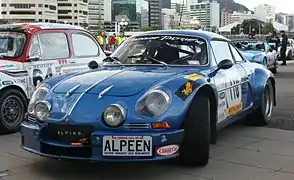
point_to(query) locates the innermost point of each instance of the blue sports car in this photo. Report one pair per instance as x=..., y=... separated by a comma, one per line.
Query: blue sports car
x=259, y=52
x=160, y=95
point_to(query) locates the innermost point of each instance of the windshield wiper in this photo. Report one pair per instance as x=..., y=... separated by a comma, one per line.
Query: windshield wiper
x=113, y=60
x=148, y=57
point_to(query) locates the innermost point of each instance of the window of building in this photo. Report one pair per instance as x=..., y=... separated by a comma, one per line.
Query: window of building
x=3, y=5
x=3, y=12
x=84, y=46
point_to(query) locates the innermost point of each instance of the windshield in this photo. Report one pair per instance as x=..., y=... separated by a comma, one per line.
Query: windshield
x=166, y=50
x=250, y=46
x=11, y=44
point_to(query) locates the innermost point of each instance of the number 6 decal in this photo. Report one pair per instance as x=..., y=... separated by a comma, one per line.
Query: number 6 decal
x=37, y=77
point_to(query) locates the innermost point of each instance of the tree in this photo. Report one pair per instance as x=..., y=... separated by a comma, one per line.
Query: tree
x=251, y=26
x=267, y=28
x=236, y=29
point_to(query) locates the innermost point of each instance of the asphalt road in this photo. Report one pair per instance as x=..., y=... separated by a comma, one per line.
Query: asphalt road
x=283, y=116
x=242, y=153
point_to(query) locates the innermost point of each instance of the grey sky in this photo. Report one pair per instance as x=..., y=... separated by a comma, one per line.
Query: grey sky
x=286, y=6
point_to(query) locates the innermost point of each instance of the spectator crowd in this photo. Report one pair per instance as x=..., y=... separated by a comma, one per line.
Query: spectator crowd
x=110, y=43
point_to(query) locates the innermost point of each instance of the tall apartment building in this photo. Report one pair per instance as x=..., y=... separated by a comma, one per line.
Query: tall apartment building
x=28, y=11
x=155, y=12
x=225, y=17
x=73, y=11
x=241, y=16
x=96, y=13
x=208, y=13
x=265, y=12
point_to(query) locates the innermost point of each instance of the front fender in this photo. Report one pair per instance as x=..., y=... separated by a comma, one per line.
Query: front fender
x=258, y=82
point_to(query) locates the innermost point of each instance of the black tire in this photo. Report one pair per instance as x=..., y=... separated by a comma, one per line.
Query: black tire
x=262, y=115
x=194, y=150
x=15, y=103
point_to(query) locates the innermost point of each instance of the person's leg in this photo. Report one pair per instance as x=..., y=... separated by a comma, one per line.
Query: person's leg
x=283, y=57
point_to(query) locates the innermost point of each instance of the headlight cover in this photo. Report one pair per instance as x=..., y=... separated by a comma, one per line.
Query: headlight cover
x=257, y=57
x=37, y=96
x=154, y=103
x=42, y=110
x=114, y=115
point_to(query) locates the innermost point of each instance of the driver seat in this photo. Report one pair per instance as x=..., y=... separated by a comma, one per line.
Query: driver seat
x=167, y=54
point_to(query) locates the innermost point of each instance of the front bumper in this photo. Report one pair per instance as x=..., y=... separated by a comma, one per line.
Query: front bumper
x=32, y=141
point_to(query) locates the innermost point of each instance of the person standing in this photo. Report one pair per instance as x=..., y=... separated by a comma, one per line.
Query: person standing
x=112, y=42
x=103, y=41
x=283, y=47
x=121, y=38
x=273, y=40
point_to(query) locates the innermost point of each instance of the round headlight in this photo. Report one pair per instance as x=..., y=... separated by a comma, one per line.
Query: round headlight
x=38, y=95
x=157, y=102
x=114, y=115
x=42, y=110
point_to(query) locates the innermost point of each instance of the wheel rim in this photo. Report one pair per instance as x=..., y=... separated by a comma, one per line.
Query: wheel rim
x=268, y=102
x=11, y=111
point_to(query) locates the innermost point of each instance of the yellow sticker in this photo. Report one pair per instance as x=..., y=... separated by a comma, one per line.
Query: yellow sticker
x=194, y=77
x=235, y=109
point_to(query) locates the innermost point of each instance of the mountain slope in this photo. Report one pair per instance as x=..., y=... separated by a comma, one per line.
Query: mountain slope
x=232, y=5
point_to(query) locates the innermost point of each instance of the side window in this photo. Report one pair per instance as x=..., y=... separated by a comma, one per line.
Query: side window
x=221, y=51
x=84, y=46
x=35, y=49
x=236, y=54
x=54, y=45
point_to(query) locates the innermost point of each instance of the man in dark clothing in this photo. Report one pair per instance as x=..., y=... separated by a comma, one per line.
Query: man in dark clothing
x=283, y=48
x=273, y=40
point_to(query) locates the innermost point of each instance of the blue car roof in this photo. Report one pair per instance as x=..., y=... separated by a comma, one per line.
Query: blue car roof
x=199, y=33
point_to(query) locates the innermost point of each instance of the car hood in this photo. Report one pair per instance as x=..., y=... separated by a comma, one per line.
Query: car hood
x=117, y=81
x=250, y=54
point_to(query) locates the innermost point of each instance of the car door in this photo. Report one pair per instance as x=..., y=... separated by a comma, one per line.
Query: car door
x=85, y=49
x=46, y=52
x=230, y=83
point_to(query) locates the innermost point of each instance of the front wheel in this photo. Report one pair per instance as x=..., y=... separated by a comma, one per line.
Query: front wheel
x=194, y=150
x=262, y=115
x=12, y=110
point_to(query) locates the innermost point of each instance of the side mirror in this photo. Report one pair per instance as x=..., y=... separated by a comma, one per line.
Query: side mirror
x=34, y=58
x=225, y=64
x=93, y=65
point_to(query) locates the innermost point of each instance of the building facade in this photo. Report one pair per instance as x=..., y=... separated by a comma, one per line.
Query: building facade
x=29, y=11
x=166, y=4
x=265, y=12
x=74, y=12
x=96, y=14
x=225, y=17
x=208, y=13
x=155, y=12
x=241, y=16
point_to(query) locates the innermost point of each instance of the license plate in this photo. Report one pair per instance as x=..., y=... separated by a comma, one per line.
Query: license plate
x=127, y=146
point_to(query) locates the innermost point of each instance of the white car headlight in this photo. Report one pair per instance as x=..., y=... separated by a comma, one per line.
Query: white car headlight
x=42, y=110
x=37, y=96
x=154, y=103
x=114, y=115
x=257, y=57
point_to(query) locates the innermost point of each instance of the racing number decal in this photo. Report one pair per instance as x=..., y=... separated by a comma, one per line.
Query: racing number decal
x=234, y=97
x=38, y=76
x=234, y=91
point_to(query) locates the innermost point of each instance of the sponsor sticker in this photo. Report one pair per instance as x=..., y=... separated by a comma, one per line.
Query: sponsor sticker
x=167, y=150
x=235, y=109
x=186, y=90
x=193, y=77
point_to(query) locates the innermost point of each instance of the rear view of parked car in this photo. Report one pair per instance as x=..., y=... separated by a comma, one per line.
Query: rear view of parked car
x=31, y=53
